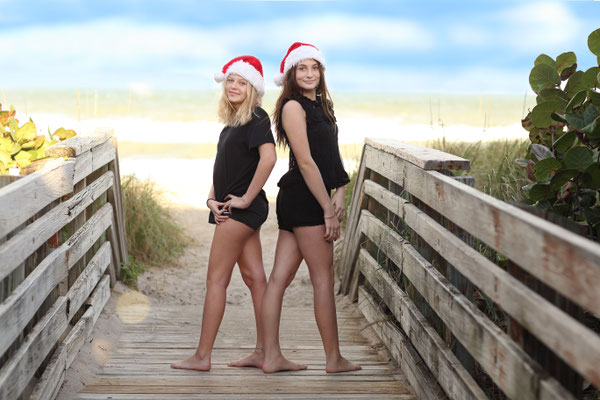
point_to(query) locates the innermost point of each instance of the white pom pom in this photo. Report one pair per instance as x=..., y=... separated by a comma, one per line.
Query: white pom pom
x=278, y=79
x=219, y=77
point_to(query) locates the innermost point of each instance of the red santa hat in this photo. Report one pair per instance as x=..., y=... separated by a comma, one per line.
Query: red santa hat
x=247, y=67
x=296, y=53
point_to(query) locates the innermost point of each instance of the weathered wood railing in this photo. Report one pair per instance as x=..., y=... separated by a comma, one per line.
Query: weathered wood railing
x=61, y=231
x=409, y=258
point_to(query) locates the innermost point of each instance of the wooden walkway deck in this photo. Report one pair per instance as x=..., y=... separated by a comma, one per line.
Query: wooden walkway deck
x=139, y=366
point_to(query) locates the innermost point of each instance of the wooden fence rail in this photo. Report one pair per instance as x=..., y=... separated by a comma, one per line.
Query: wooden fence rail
x=62, y=241
x=412, y=257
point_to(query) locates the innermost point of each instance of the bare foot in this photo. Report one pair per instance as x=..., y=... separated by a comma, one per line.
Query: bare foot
x=281, y=364
x=255, y=360
x=341, y=365
x=193, y=362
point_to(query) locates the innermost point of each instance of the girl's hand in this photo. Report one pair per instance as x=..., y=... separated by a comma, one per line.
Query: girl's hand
x=217, y=208
x=338, y=203
x=236, y=202
x=332, y=227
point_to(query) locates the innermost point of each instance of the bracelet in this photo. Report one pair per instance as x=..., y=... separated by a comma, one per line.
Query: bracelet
x=333, y=216
x=210, y=198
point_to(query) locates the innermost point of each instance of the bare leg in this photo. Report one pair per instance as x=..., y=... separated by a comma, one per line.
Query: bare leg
x=287, y=261
x=318, y=254
x=228, y=242
x=253, y=274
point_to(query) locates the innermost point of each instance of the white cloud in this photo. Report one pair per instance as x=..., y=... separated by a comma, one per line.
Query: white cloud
x=539, y=26
x=121, y=49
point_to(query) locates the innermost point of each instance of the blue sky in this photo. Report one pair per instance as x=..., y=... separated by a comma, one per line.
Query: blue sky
x=370, y=45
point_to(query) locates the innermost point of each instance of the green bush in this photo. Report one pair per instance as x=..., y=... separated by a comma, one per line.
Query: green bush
x=21, y=145
x=564, y=130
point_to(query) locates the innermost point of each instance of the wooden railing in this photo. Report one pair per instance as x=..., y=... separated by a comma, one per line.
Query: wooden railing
x=62, y=242
x=413, y=258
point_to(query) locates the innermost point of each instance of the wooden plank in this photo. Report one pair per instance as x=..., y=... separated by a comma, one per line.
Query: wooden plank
x=423, y=157
x=268, y=384
x=26, y=241
x=84, y=327
x=91, y=160
x=24, y=302
x=19, y=308
x=79, y=144
x=103, y=154
x=546, y=321
x=17, y=372
x=444, y=366
x=420, y=378
x=83, y=166
x=233, y=396
x=507, y=364
x=88, y=279
x=567, y=262
x=85, y=237
x=22, y=199
x=53, y=376
x=347, y=260
x=114, y=197
x=116, y=256
x=99, y=298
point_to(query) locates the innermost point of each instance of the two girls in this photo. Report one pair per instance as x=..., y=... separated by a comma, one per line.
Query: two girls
x=307, y=215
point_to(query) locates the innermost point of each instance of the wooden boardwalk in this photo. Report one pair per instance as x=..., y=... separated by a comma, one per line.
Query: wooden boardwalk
x=139, y=367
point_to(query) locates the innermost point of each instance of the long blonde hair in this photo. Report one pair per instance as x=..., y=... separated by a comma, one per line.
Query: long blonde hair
x=228, y=115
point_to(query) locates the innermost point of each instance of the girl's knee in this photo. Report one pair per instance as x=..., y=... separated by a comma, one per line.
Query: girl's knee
x=254, y=279
x=218, y=283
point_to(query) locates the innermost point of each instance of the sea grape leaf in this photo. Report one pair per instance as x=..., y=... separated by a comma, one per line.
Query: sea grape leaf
x=541, y=191
x=594, y=43
x=543, y=76
x=545, y=168
x=565, y=60
x=578, y=158
x=562, y=177
x=541, y=115
x=565, y=141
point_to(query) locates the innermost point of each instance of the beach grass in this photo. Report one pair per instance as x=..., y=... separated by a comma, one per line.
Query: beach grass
x=153, y=236
x=492, y=165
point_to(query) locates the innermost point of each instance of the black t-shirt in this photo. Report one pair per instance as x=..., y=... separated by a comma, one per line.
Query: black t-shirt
x=322, y=137
x=238, y=156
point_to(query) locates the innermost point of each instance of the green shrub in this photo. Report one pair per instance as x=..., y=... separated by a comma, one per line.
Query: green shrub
x=564, y=128
x=21, y=145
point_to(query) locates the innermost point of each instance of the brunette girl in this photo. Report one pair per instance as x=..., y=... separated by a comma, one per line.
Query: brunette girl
x=309, y=219
x=238, y=205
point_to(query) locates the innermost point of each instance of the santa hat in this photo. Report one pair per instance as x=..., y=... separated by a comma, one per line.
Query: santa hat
x=296, y=53
x=247, y=67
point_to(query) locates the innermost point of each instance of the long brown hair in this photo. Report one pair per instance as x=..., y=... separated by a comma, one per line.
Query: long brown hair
x=291, y=89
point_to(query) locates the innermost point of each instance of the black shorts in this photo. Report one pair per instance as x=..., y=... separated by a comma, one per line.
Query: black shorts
x=253, y=216
x=296, y=206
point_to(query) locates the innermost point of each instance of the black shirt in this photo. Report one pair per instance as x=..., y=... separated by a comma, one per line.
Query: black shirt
x=238, y=156
x=323, y=142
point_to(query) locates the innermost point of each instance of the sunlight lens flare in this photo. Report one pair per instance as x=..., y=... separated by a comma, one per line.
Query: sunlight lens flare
x=133, y=307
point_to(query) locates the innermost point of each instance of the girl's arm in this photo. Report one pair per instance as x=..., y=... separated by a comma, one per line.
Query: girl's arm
x=268, y=158
x=293, y=119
